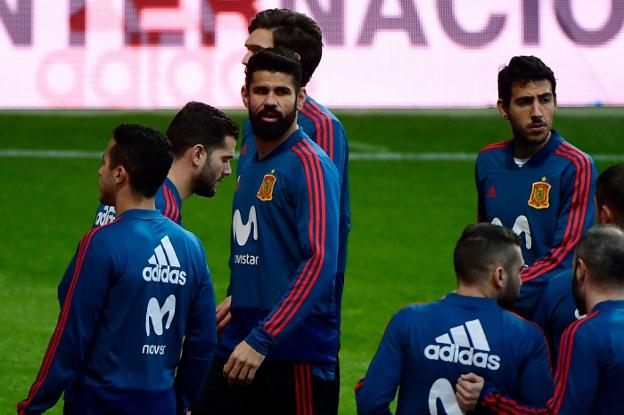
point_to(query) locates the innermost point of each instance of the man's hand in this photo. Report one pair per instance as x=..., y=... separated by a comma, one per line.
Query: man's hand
x=223, y=313
x=468, y=390
x=242, y=365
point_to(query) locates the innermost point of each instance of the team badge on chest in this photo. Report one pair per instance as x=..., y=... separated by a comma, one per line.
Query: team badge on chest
x=539, y=194
x=265, y=193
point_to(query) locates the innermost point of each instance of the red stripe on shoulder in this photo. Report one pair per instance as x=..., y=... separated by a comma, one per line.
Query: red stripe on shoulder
x=576, y=215
x=573, y=150
x=495, y=146
x=173, y=210
x=317, y=124
x=167, y=196
x=322, y=121
x=565, y=358
x=330, y=131
x=62, y=321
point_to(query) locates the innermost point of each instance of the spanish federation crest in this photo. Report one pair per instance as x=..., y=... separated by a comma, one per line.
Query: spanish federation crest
x=265, y=193
x=539, y=194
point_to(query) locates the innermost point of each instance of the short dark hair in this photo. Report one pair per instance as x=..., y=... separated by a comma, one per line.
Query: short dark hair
x=199, y=123
x=295, y=31
x=602, y=251
x=523, y=69
x=610, y=191
x=480, y=246
x=145, y=154
x=274, y=60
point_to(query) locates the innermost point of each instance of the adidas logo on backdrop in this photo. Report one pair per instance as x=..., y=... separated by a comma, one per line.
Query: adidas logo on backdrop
x=164, y=265
x=467, y=347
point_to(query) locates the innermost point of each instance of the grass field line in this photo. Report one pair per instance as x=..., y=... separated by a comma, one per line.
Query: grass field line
x=354, y=156
x=359, y=146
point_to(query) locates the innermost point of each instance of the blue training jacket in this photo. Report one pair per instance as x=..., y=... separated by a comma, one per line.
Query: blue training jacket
x=167, y=200
x=590, y=369
x=137, y=327
x=284, y=251
x=326, y=130
x=557, y=310
x=549, y=202
x=426, y=347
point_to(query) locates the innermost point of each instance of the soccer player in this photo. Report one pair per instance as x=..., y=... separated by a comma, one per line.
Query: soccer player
x=535, y=183
x=427, y=347
x=557, y=309
x=295, y=31
x=203, y=140
x=278, y=353
x=137, y=328
x=590, y=373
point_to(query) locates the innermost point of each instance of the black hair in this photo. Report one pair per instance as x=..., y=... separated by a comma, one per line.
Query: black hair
x=295, y=31
x=274, y=60
x=480, y=246
x=199, y=123
x=523, y=69
x=610, y=191
x=145, y=154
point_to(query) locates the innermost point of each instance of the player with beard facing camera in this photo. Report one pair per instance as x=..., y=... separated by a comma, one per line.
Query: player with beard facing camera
x=278, y=353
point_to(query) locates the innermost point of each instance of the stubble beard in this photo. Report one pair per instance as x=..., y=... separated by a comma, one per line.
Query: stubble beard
x=205, y=185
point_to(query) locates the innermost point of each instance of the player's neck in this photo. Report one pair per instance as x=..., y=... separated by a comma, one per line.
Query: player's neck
x=180, y=176
x=471, y=290
x=266, y=147
x=523, y=149
x=594, y=298
x=126, y=199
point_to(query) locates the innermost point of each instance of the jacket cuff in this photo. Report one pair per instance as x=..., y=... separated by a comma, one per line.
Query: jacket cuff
x=260, y=340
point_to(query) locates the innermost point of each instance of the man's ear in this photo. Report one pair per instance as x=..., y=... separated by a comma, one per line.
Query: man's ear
x=497, y=277
x=504, y=111
x=605, y=214
x=580, y=271
x=197, y=154
x=120, y=175
x=301, y=97
x=245, y=96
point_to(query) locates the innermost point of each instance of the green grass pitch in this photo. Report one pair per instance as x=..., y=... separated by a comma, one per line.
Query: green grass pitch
x=407, y=216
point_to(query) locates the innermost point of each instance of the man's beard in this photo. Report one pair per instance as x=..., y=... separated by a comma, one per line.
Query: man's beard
x=509, y=296
x=205, y=185
x=107, y=197
x=204, y=190
x=271, y=131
